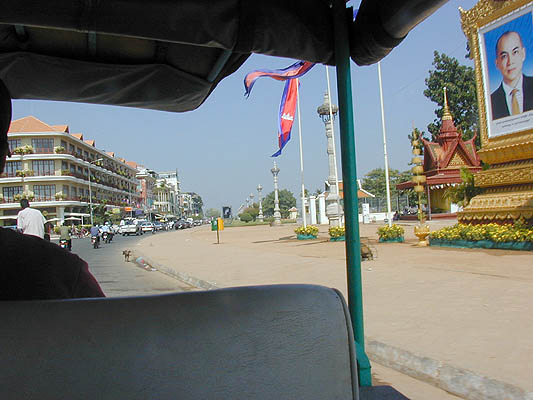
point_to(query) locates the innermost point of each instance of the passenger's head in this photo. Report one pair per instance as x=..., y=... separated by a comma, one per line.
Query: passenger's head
x=95, y=224
x=24, y=203
x=5, y=121
x=510, y=56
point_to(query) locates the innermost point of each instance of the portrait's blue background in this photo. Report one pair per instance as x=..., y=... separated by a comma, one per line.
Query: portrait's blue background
x=524, y=26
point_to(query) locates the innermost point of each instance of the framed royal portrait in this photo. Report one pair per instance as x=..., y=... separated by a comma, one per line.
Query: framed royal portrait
x=500, y=35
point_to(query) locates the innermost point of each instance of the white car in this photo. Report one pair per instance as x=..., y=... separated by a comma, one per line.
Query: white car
x=147, y=227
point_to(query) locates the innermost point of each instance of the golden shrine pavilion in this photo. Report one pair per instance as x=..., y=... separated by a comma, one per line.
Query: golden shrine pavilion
x=443, y=160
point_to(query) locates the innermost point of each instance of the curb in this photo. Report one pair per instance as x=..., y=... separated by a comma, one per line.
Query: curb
x=458, y=381
x=183, y=277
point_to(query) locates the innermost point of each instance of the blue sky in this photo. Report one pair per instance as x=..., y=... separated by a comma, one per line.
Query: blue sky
x=222, y=150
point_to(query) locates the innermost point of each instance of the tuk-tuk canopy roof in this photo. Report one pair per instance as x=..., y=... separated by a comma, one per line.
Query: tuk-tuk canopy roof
x=169, y=55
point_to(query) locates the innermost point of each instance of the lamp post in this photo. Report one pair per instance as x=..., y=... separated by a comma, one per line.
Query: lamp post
x=327, y=112
x=277, y=214
x=251, y=199
x=260, y=215
x=90, y=192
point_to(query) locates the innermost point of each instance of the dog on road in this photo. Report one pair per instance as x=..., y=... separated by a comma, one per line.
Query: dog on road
x=127, y=255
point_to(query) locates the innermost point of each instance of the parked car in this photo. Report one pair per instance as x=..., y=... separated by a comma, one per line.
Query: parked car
x=130, y=227
x=182, y=224
x=147, y=227
x=159, y=226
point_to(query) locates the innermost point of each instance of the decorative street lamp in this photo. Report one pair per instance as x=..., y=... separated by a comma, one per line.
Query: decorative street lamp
x=260, y=217
x=251, y=199
x=90, y=192
x=327, y=114
x=277, y=214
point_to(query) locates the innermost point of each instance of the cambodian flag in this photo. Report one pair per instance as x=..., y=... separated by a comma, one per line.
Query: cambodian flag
x=296, y=70
x=287, y=110
x=289, y=98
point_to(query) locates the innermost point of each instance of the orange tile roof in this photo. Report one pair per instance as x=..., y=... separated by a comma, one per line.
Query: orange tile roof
x=29, y=124
x=60, y=128
x=110, y=153
x=132, y=164
x=78, y=135
x=90, y=142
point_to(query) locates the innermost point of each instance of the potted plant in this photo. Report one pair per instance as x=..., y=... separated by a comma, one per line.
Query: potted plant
x=336, y=234
x=60, y=196
x=392, y=233
x=19, y=173
x=65, y=172
x=309, y=232
x=59, y=149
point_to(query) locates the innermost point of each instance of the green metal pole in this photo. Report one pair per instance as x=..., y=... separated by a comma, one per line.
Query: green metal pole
x=349, y=178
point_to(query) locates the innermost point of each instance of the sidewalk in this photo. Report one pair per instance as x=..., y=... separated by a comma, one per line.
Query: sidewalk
x=456, y=317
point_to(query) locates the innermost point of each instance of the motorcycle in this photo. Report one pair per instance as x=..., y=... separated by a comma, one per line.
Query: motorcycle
x=95, y=241
x=63, y=243
x=106, y=237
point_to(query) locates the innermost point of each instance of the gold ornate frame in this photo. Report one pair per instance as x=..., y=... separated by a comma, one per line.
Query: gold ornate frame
x=511, y=146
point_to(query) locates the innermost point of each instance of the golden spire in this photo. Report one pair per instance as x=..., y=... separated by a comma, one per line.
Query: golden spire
x=446, y=115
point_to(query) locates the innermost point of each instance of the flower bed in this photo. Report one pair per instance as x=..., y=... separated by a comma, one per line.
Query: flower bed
x=518, y=236
x=300, y=236
x=482, y=244
x=337, y=234
x=309, y=232
x=392, y=233
x=399, y=239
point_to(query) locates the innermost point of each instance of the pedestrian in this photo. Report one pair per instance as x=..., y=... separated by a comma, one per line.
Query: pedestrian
x=30, y=221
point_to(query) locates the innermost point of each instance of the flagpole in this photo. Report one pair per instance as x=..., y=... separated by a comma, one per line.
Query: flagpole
x=334, y=148
x=301, y=152
x=389, y=211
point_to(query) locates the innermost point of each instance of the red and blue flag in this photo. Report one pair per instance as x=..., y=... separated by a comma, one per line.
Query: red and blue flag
x=295, y=70
x=287, y=111
x=287, y=107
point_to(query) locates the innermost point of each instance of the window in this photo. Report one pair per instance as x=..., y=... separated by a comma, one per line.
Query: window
x=72, y=168
x=64, y=165
x=71, y=148
x=43, y=145
x=12, y=167
x=64, y=144
x=86, y=154
x=44, y=192
x=43, y=167
x=13, y=144
x=66, y=191
x=10, y=191
x=74, y=192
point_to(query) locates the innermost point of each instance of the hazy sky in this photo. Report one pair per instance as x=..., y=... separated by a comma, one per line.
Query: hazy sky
x=222, y=150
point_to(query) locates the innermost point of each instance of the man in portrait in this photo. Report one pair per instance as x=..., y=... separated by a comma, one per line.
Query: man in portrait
x=515, y=93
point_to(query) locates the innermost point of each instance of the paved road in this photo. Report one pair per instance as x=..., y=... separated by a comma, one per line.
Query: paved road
x=119, y=278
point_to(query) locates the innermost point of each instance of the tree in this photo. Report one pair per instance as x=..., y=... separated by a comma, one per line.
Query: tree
x=212, y=213
x=245, y=217
x=286, y=201
x=462, y=194
x=375, y=183
x=460, y=83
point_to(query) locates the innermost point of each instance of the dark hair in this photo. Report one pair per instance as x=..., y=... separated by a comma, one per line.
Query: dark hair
x=507, y=33
x=24, y=203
